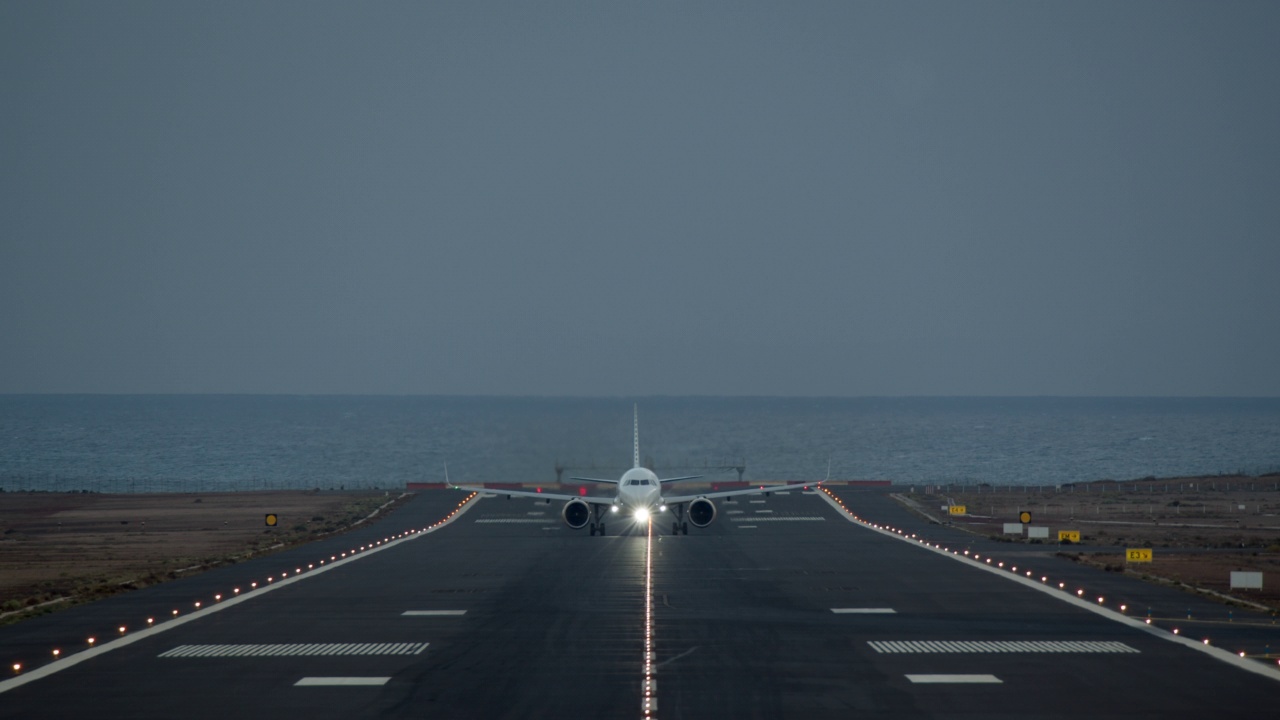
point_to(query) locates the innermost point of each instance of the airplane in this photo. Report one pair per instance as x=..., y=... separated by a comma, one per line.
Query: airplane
x=639, y=495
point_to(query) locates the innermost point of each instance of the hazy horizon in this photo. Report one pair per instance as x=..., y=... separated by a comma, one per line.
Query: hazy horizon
x=909, y=199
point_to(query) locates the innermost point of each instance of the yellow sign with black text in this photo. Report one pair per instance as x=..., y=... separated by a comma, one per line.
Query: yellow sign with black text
x=1069, y=536
x=1138, y=555
x=957, y=509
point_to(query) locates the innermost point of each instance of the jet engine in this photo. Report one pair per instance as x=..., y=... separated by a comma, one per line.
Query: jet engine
x=576, y=514
x=701, y=512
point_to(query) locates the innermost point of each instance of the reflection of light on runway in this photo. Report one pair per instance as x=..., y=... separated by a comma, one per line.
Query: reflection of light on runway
x=649, y=702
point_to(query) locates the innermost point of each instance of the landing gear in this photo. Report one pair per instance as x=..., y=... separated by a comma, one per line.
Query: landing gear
x=593, y=529
x=601, y=529
x=679, y=527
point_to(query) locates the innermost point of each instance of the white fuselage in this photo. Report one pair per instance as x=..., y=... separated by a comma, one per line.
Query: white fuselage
x=640, y=489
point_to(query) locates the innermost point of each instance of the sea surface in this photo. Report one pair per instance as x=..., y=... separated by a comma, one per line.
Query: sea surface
x=206, y=443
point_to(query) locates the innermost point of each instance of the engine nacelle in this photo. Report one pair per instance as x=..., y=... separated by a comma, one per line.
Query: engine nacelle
x=701, y=512
x=576, y=514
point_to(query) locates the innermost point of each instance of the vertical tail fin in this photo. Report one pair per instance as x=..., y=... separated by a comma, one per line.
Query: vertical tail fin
x=635, y=413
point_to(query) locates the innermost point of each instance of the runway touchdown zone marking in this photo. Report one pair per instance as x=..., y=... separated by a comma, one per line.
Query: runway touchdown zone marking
x=889, y=647
x=294, y=650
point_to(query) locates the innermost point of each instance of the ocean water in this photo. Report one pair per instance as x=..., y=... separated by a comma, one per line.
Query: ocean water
x=210, y=443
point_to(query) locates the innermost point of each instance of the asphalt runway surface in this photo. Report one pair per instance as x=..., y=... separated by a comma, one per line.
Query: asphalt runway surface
x=782, y=608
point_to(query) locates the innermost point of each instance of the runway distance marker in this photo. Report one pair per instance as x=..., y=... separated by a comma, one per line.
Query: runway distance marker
x=1138, y=555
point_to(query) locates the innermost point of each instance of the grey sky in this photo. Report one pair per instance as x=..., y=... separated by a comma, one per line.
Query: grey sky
x=954, y=198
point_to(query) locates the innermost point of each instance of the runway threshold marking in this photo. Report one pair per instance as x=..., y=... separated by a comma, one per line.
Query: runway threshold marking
x=1214, y=652
x=864, y=611
x=341, y=681
x=433, y=613
x=73, y=660
x=889, y=647
x=956, y=679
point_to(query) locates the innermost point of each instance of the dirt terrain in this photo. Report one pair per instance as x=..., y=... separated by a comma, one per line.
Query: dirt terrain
x=61, y=548
x=1199, y=529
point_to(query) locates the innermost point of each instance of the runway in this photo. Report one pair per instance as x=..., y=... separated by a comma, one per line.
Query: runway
x=781, y=608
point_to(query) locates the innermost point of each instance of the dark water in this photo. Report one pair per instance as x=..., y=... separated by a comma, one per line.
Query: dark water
x=206, y=443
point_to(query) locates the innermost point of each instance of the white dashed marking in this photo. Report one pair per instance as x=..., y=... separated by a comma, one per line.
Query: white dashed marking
x=763, y=511
x=747, y=527
x=340, y=681
x=981, y=679
x=863, y=611
x=756, y=502
x=434, y=613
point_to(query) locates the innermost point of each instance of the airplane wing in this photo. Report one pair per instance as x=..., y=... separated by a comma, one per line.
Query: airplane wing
x=672, y=500
x=592, y=499
x=686, y=477
x=601, y=480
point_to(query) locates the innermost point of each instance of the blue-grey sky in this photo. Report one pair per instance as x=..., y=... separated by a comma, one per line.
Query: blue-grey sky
x=813, y=198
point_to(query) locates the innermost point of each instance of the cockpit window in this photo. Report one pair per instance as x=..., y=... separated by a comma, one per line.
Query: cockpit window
x=633, y=482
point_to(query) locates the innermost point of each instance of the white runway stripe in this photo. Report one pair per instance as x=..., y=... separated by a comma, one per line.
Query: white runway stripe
x=863, y=611
x=784, y=518
x=996, y=646
x=295, y=649
x=340, y=681
x=534, y=521
x=434, y=613
x=987, y=679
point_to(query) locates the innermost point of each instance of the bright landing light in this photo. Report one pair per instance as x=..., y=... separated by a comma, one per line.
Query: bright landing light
x=642, y=515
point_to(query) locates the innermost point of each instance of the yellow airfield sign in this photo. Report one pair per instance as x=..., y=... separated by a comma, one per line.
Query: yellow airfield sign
x=272, y=519
x=1024, y=517
x=1136, y=555
x=1069, y=536
x=957, y=509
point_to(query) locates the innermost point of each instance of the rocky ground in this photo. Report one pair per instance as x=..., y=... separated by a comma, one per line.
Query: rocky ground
x=61, y=548
x=1199, y=529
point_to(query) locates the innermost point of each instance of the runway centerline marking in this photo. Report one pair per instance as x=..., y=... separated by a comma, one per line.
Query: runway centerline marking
x=649, y=699
x=864, y=611
x=341, y=681
x=433, y=613
x=747, y=527
x=952, y=679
